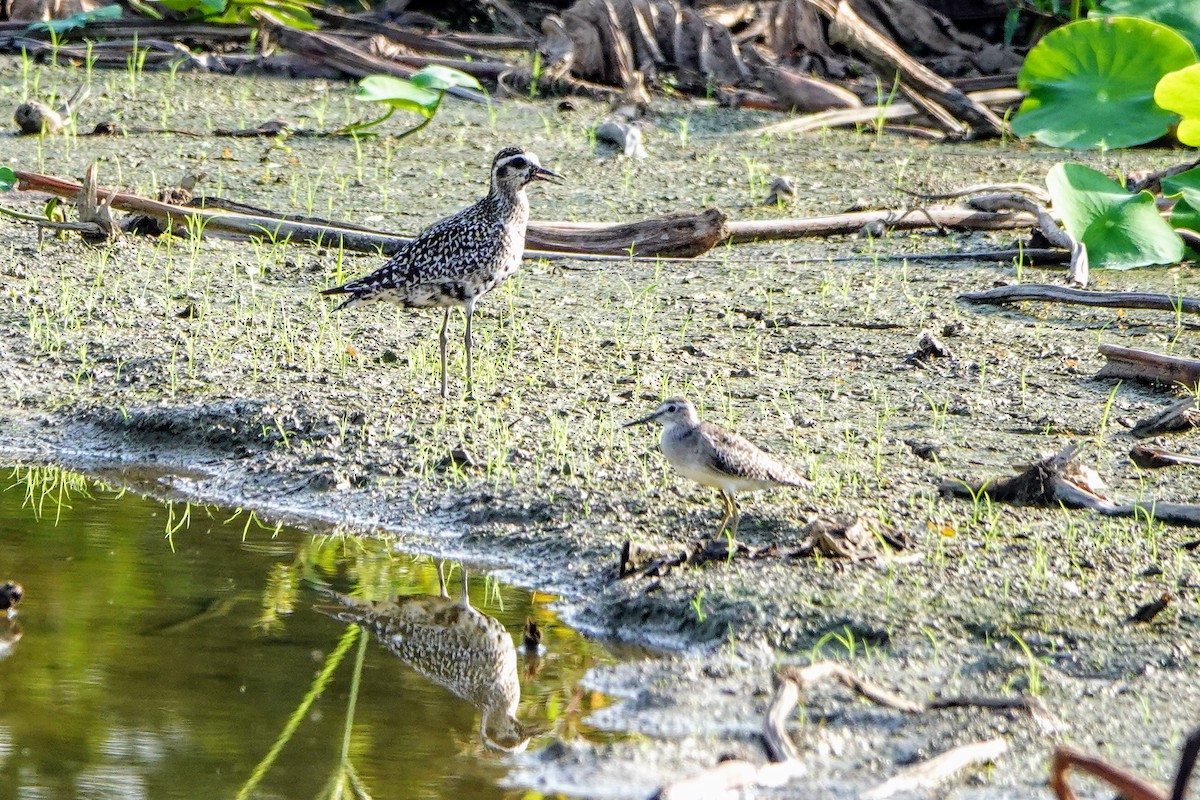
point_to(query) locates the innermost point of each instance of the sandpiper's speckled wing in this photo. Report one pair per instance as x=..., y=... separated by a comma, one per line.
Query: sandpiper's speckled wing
x=439, y=265
x=731, y=454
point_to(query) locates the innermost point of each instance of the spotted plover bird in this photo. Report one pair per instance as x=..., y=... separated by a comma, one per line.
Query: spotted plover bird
x=460, y=258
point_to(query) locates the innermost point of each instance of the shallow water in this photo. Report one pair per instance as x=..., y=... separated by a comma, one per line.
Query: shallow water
x=161, y=649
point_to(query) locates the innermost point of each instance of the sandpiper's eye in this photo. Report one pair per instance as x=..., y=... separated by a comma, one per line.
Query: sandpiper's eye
x=671, y=409
x=519, y=163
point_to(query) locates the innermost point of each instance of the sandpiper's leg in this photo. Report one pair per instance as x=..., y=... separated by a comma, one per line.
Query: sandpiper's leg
x=442, y=579
x=728, y=506
x=470, y=309
x=466, y=600
x=442, y=342
x=737, y=515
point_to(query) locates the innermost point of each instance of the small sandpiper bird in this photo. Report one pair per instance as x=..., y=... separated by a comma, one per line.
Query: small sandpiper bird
x=713, y=456
x=460, y=258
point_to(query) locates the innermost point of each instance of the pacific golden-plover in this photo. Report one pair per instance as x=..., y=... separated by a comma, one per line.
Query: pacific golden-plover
x=460, y=258
x=713, y=456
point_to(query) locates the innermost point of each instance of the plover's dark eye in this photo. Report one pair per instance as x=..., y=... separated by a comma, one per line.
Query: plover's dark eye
x=519, y=163
x=671, y=409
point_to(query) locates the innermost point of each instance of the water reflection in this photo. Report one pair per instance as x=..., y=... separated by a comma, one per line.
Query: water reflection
x=455, y=645
x=167, y=649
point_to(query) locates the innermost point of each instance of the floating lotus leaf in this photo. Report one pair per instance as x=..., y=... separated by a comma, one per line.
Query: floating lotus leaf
x=1186, y=213
x=438, y=78
x=1182, y=15
x=399, y=93
x=1091, y=83
x=1179, y=91
x=1119, y=230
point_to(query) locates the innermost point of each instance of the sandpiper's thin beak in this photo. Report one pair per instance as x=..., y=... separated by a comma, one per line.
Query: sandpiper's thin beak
x=543, y=174
x=642, y=421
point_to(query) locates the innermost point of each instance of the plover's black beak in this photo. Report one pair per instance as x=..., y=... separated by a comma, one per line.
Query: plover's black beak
x=642, y=421
x=543, y=174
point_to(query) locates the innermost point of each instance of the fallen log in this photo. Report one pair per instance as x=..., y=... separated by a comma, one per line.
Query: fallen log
x=665, y=237
x=1143, y=365
x=1048, y=293
x=679, y=235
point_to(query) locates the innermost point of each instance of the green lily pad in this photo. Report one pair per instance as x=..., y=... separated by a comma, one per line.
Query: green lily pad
x=1179, y=91
x=1119, y=230
x=1182, y=15
x=398, y=93
x=437, y=78
x=1091, y=83
x=1186, y=213
x=8, y=179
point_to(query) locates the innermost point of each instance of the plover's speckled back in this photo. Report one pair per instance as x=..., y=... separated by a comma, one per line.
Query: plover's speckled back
x=457, y=260
x=713, y=456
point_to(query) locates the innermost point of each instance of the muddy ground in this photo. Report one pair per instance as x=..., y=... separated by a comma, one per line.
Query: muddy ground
x=217, y=362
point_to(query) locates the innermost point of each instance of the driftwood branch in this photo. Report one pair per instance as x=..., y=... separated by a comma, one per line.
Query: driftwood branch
x=784, y=765
x=678, y=235
x=928, y=774
x=674, y=236
x=95, y=210
x=1147, y=456
x=1128, y=784
x=1059, y=481
x=1127, y=362
x=936, y=95
x=898, y=111
x=685, y=234
x=1047, y=293
x=1181, y=415
x=729, y=777
x=332, y=51
x=741, y=231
